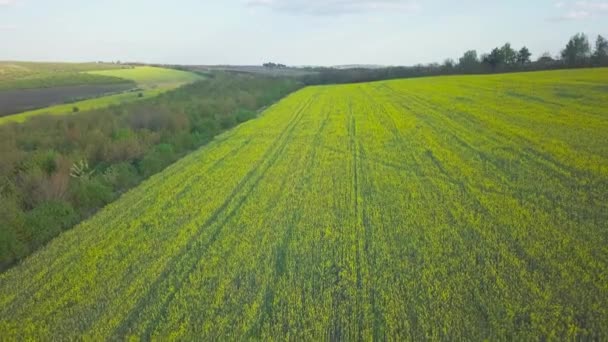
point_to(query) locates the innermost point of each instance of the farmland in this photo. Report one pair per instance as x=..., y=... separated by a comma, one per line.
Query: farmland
x=151, y=77
x=31, y=75
x=150, y=82
x=15, y=101
x=14, y=70
x=464, y=207
x=27, y=85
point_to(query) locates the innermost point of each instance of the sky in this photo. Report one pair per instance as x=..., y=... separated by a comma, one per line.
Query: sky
x=293, y=32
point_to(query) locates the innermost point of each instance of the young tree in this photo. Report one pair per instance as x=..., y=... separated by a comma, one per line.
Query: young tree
x=448, y=65
x=600, y=55
x=523, y=56
x=545, y=58
x=577, y=50
x=469, y=61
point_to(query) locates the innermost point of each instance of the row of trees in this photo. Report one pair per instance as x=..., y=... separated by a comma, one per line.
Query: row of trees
x=577, y=53
x=58, y=170
x=502, y=57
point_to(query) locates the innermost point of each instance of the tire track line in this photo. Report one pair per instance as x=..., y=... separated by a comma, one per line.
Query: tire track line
x=249, y=182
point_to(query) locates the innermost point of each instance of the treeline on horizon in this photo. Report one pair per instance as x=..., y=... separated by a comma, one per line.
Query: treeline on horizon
x=576, y=54
x=59, y=170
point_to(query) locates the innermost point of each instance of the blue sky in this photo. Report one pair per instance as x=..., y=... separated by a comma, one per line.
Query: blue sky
x=295, y=32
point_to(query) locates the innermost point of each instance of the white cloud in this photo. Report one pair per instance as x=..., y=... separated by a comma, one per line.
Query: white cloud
x=579, y=10
x=601, y=6
x=7, y=2
x=335, y=7
x=582, y=14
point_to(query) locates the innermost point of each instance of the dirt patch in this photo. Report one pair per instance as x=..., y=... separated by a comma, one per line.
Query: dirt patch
x=17, y=101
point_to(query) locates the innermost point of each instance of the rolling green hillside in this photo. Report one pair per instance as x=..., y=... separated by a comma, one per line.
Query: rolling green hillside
x=151, y=82
x=29, y=75
x=151, y=77
x=456, y=208
x=11, y=70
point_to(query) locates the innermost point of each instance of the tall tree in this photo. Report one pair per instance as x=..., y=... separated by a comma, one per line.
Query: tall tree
x=509, y=56
x=523, y=56
x=600, y=55
x=494, y=59
x=469, y=61
x=577, y=50
x=448, y=65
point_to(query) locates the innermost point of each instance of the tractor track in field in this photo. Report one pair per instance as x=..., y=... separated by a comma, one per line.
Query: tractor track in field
x=124, y=214
x=538, y=160
x=265, y=162
x=281, y=250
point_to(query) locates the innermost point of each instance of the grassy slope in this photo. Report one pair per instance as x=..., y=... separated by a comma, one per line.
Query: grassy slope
x=59, y=80
x=151, y=77
x=152, y=80
x=453, y=207
x=10, y=70
x=28, y=75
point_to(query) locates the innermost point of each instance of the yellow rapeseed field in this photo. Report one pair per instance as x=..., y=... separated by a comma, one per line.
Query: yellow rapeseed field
x=456, y=208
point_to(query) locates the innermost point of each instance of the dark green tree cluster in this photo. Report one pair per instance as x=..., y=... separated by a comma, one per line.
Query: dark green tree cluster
x=576, y=54
x=272, y=65
x=506, y=57
x=577, y=51
x=600, y=55
x=58, y=170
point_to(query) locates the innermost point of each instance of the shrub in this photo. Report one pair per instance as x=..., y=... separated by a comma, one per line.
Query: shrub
x=49, y=219
x=245, y=115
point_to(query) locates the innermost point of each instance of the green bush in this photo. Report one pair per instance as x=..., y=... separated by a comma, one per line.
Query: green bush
x=157, y=159
x=90, y=194
x=243, y=115
x=48, y=219
x=12, y=232
x=122, y=176
x=227, y=121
